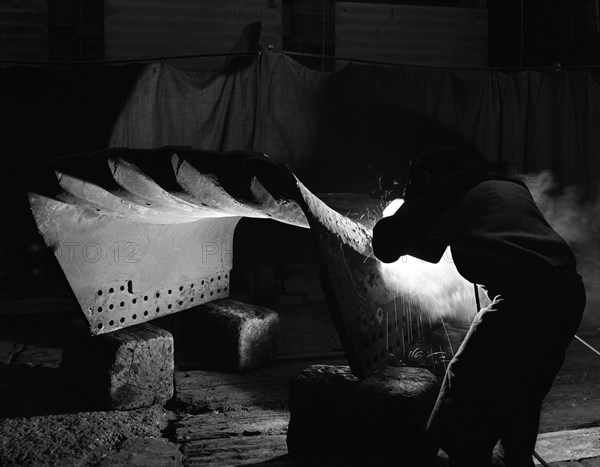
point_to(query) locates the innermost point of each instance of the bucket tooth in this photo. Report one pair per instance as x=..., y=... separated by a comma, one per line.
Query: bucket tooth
x=205, y=189
x=132, y=179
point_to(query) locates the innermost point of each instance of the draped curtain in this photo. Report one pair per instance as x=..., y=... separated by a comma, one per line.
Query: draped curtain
x=347, y=130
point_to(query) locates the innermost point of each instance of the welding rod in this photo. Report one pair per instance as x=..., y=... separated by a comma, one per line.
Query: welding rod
x=586, y=344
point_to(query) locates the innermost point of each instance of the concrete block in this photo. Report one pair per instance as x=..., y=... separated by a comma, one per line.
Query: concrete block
x=229, y=335
x=126, y=369
x=380, y=419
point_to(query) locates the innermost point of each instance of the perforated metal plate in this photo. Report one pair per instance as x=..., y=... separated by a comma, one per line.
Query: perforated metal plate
x=116, y=305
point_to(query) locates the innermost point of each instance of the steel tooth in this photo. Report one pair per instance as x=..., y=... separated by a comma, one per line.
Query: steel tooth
x=89, y=178
x=130, y=177
x=205, y=189
x=283, y=210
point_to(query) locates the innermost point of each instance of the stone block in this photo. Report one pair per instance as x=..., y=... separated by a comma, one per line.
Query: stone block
x=125, y=369
x=229, y=335
x=376, y=421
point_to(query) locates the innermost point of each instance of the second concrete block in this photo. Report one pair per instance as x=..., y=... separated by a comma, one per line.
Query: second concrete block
x=230, y=335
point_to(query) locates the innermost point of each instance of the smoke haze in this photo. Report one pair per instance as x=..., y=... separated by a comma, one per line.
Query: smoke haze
x=578, y=222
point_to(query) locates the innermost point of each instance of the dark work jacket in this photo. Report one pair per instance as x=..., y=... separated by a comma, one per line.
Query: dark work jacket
x=497, y=235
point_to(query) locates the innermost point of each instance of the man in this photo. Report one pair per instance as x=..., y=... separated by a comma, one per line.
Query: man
x=495, y=384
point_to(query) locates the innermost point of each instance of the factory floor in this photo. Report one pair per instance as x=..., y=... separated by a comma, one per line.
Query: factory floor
x=223, y=419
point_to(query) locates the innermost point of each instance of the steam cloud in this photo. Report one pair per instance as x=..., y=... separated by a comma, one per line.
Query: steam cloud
x=578, y=223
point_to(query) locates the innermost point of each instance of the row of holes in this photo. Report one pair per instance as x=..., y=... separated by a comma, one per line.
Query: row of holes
x=170, y=291
x=134, y=301
x=111, y=290
x=146, y=313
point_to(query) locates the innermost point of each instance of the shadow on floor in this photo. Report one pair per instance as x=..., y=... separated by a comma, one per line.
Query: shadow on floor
x=27, y=391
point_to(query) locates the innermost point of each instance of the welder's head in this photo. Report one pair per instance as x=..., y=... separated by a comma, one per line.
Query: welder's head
x=431, y=166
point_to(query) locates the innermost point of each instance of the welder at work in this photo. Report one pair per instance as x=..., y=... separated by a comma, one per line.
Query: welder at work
x=495, y=384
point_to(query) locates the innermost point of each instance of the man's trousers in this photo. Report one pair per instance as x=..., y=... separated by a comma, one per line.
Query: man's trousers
x=495, y=384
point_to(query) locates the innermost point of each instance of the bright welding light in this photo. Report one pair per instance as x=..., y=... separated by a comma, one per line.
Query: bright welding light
x=438, y=290
x=392, y=207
